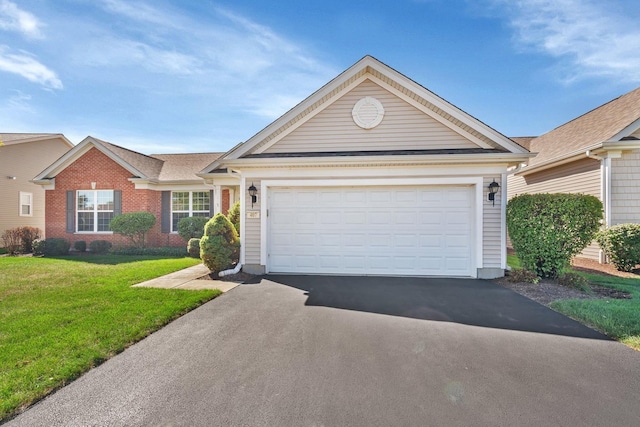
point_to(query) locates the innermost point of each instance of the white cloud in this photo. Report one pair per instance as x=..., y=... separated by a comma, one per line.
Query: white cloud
x=26, y=66
x=20, y=101
x=590, y=38
x=13, y=18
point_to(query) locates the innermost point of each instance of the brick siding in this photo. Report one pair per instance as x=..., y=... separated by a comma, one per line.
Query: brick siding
x=94, y=166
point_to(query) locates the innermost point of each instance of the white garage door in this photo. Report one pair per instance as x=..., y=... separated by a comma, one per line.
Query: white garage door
x=415, y=231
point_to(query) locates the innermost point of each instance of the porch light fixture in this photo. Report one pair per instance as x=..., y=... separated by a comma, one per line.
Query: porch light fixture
x=253, y=192
x=493, y=189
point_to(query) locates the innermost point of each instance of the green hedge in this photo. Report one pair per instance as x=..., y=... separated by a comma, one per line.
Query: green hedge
x=170, y=251
x=621, y=243
x=547, y=230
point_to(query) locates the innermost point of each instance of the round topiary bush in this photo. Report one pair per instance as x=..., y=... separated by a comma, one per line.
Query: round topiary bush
x=193, y=248
x=134, y=226
x=621, y=243
x=547, y=230
x=192, y=227
x=220, y=245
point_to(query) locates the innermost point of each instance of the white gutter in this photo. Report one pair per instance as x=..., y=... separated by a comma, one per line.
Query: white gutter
x=232, y=271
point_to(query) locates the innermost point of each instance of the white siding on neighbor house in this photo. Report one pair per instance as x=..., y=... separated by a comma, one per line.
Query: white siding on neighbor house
x=403, y=127
x=491, y=227
x=582, y=176
x=251, y=240
x=625, y=189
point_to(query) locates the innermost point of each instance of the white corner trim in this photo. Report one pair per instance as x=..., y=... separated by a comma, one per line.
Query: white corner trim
x=503, y=223
x=243, y=216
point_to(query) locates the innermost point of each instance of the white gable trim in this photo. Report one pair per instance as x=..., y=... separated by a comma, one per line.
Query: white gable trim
x=431, y=113
x=76, y=152
x=633, y=127
x=312, y=114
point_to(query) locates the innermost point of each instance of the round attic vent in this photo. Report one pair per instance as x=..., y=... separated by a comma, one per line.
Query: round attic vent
x=368, y=112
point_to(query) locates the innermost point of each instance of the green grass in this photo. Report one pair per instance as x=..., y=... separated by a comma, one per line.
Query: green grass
x=60, y=317
x=618, y=318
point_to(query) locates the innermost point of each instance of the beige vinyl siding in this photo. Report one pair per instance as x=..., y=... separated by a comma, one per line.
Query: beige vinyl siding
x=252, y=237
x=25, y=161
x=491, y=228
x=404, y=127
x=582, y=176
x=625, y=189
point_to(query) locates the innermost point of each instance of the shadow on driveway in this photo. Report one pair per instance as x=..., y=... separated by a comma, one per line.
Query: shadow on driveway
x=466, y=301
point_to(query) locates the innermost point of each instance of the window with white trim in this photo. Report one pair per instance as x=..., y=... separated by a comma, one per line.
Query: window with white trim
x=188, y=203
x=26, y=204
x=94, y=210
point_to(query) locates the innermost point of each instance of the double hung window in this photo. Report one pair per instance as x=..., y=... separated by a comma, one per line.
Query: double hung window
x=94, y=210
x=188, y=203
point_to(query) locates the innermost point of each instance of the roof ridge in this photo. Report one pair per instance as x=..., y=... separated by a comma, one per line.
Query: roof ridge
x=126, y=149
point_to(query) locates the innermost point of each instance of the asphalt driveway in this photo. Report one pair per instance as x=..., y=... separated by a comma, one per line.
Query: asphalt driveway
x=359, y=351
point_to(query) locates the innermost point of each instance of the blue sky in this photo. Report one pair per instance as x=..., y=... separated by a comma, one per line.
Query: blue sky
x=193, y=76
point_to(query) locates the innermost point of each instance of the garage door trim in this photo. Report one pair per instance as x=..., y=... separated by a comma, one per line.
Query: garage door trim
x=477, y=182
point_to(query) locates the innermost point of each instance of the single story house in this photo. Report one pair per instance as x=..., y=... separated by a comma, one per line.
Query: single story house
x=22, y=155
x=372, y=174
x=597, y=153
x=96, y=180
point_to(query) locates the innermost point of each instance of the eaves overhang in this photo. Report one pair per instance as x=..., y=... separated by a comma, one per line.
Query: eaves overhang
x=368, y=161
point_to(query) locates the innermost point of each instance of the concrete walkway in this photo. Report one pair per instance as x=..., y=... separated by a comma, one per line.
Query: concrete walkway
x=189, y=278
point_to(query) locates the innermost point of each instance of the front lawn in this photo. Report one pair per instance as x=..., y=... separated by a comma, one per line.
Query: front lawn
x=618, y=318
x=60, y=317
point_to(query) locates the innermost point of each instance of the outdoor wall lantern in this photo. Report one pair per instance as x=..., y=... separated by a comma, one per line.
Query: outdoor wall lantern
x=253, y=192
x=493, y=189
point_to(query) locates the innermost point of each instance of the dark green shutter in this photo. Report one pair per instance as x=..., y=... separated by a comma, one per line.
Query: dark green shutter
x=71, y=211
x=117, y=202
x=211, y=207
x=165, y=215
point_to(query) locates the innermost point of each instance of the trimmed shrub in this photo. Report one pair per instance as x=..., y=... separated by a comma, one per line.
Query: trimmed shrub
x=574, y=280
x=134, y=226
x=547, y=230
x=193, y=248
x=80, y=245
x=56, y=246
x=234, y=216
x=27, y=236
x=220, y=245
x=99, y=246
x=12, y=239
x=621, y=243
x=38, y=246
x=192, y=227
x=521, y=275
x=169, y=251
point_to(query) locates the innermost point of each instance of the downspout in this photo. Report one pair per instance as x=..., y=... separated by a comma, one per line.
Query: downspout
x=235, y=270
x=605, y=191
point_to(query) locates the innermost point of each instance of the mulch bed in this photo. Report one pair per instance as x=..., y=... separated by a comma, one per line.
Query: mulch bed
x=236, y=278
x=547, y=291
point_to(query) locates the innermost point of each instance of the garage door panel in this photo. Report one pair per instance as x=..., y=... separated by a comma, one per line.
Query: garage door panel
x=364, y=230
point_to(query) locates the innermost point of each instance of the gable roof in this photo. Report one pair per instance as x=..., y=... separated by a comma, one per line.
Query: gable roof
x=154, y=168
x=610, y=122
x=20, y=138
x=370, y=68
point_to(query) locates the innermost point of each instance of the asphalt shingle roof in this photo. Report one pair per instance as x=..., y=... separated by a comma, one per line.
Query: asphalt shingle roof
x=596, y=126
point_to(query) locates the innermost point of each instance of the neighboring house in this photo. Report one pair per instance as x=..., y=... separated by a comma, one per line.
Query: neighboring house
x=22, y=155
x=96, y=180
x=372, y=174
x=597, y=153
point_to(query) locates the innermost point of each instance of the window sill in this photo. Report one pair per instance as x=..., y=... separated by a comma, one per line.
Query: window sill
x=94, y=232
